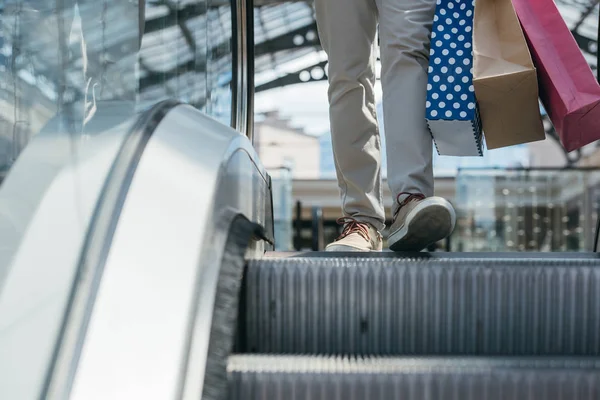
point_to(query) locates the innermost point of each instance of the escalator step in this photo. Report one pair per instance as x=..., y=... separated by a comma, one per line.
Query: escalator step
x=419, y=306
x=253, y=377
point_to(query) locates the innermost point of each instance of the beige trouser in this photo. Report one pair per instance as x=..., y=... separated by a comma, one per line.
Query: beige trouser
x=347, y=32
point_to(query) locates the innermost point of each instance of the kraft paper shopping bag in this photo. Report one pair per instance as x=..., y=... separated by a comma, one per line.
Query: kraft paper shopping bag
x=504, y=77
x=452, y=114
x=568, y=88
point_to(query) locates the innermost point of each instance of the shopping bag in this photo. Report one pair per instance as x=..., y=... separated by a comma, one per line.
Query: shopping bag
x=568, y=89
x=504, y=77
x=451, y=109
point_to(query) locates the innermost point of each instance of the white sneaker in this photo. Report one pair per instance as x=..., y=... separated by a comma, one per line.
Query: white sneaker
x=356, y=236
x=420, y=222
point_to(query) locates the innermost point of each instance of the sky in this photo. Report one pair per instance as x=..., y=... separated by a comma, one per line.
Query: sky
x=306, y=104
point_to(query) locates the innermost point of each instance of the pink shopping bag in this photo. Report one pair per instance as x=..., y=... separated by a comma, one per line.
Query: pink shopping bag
x=568, y=88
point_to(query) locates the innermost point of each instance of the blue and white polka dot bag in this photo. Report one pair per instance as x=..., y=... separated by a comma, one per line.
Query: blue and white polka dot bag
x=451, y=109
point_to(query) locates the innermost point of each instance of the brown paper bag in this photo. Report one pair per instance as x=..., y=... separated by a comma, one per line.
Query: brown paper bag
x=504, y=77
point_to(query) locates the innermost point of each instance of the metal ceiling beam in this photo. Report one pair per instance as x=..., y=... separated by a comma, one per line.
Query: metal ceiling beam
x=174, y=17
x=154, y=77
x=303, y=37
x=306, y=36
x=294, y=78
x=586, y=44
x=286, y=42
x=181, y=15
x=185, y=31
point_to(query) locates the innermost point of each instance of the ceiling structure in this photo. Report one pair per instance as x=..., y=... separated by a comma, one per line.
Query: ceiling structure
x=186, y=47
x=286, y=31
x=287, y=49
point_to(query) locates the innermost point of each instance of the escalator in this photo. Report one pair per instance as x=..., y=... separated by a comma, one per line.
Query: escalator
x=127, y=238
x=171, y=291
x=136, y=262
x=383, y=326
x=168, y=289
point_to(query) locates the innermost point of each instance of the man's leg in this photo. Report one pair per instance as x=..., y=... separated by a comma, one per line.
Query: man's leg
x=347, y=31
x=419, y=218
x=404, y=31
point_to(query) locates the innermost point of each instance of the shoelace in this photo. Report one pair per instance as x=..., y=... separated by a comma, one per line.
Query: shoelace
x=353, y=226
x=410, y=197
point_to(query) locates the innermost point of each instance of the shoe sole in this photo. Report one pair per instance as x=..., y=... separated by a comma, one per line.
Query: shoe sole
x=430, y=222
x=345, y=248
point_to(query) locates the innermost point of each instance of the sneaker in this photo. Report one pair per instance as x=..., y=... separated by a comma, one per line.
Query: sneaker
x=420, y=222
x=356, y=236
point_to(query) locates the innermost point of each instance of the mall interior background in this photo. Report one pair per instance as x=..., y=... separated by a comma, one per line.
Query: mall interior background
x=531, y=197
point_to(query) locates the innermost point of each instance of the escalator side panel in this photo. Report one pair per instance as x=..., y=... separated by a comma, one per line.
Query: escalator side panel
x=415, y=306
x=96, y=247
x=47, y=203
x=150, y=328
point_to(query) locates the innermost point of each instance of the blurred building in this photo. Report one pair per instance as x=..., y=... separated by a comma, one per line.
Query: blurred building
x=289, y=155
x=281, y=145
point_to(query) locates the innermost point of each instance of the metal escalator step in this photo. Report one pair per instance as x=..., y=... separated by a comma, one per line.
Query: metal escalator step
x=253, y=377
x=420, y=306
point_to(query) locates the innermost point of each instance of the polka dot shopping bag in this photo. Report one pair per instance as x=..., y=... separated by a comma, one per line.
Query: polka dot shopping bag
x=451, y=109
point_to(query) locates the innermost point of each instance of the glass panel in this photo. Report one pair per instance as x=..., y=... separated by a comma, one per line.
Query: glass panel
x=172, y=62
x=526, y=210
x=282, y=207
x=219, y=60
x=70, y=60
x=63, y=61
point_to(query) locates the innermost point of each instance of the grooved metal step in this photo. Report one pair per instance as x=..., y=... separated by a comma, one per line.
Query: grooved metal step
x=254, y=377
x=448, y=305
